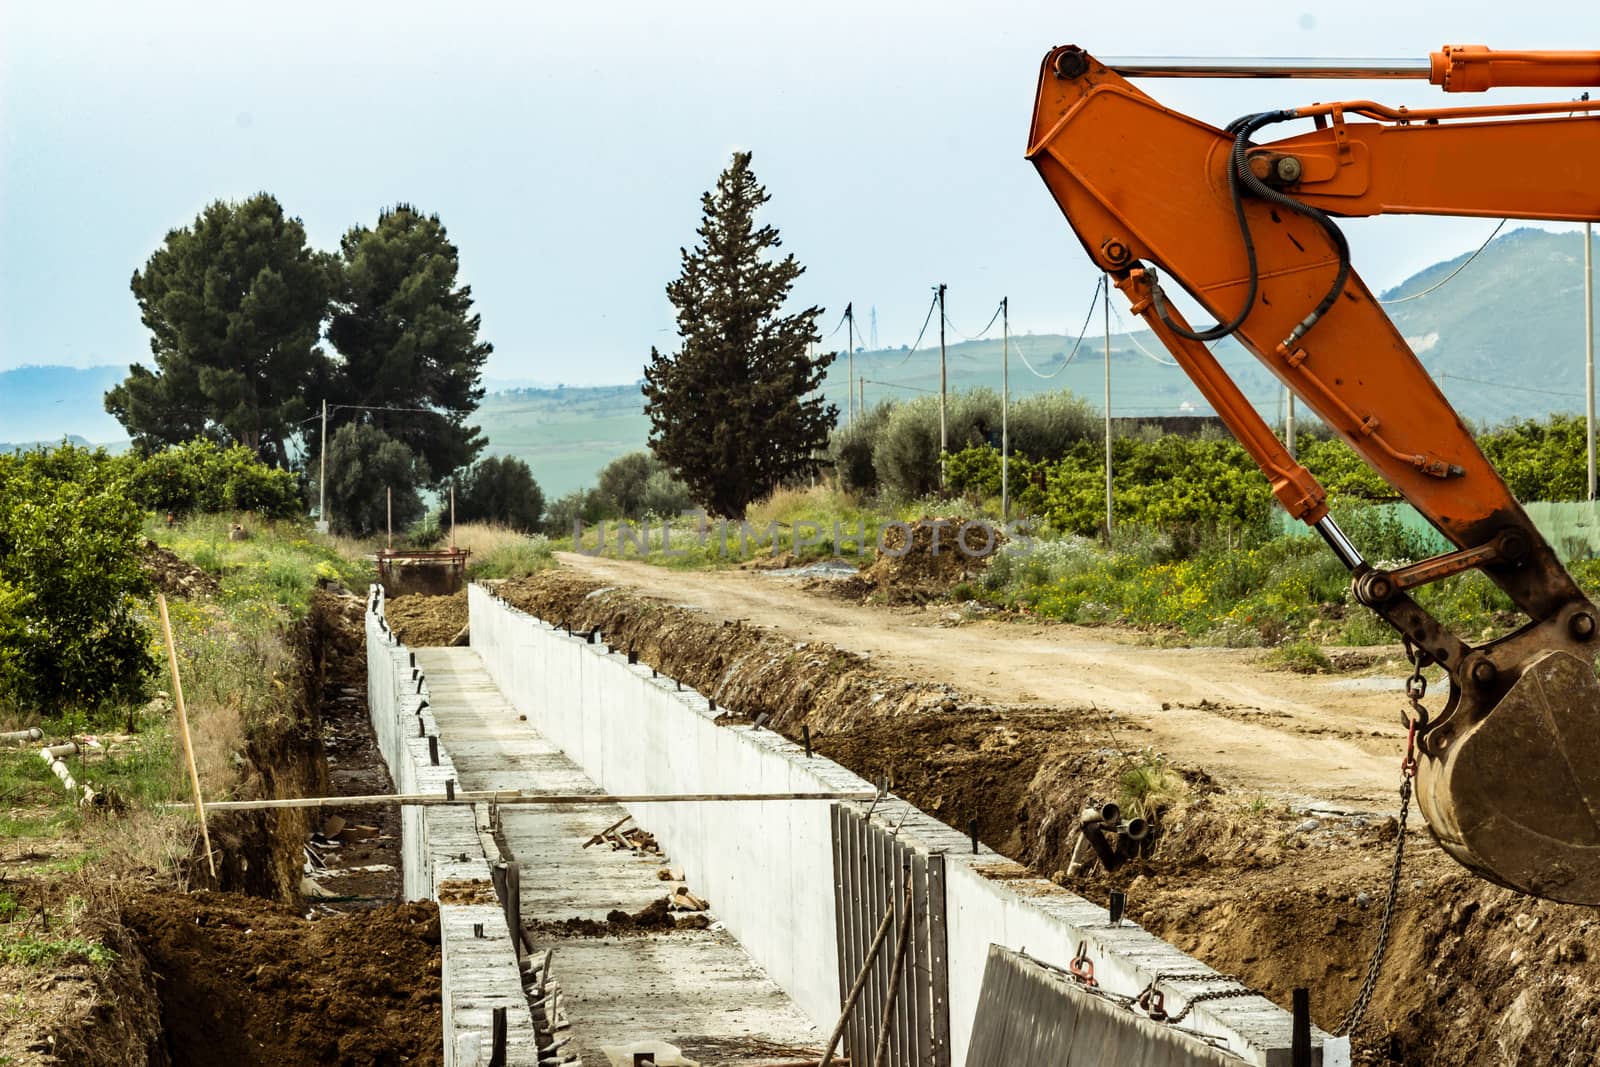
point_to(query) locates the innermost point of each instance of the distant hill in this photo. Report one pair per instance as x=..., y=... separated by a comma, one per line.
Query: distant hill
x=1504, y=338
x=48, y=403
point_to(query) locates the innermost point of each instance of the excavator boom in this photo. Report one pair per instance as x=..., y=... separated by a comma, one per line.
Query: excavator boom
x=1509, y=776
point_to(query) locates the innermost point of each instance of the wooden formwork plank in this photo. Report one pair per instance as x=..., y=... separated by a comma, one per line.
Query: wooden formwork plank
x=841, y=901
x=923, y=1013
x=905, y=1011
x=855, y=1030
x=878, y=848
x=938, y=949
x=867, y=1007
x=897, y=896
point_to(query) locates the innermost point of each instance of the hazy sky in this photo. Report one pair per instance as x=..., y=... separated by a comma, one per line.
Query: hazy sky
x=565, y=146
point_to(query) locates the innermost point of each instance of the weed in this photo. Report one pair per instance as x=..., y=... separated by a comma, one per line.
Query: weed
x=34, y=951
x=1149, y=788
x=1302, y=657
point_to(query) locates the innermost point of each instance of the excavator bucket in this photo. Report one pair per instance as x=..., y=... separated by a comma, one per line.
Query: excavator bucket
x=1516, y=796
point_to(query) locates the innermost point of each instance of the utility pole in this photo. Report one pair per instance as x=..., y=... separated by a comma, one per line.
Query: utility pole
x=1288, y=426
x=873, y=320
x=1105, y=293
x=322, y=475
x=863, y=381
x=1588, y=335
x=850, y=337
x=1005, y=410
x=944, y=440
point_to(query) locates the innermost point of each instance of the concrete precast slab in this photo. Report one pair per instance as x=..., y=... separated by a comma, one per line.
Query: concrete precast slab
x=694, y=987
x=441, y=851
x=632, y=730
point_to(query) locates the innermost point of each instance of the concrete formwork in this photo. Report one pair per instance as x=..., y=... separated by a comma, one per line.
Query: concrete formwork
x=440, y=850
x=769, y=865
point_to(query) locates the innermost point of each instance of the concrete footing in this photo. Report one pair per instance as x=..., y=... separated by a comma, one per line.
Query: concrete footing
x=768, y=866
x=443, y=860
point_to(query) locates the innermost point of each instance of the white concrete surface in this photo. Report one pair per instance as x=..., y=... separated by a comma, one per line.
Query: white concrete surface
x=440, y=848
x=695, y=989
x=767, y=867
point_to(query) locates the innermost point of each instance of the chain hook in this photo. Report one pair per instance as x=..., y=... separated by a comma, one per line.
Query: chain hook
x=1082, y=967
x=1408, y=765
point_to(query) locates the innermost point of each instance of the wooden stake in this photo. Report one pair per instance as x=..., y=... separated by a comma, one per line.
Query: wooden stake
x=183, y=729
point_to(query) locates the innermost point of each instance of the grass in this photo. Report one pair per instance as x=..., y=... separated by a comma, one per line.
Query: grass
x=275, y=570
x=1302, y=657
x=33, y=951
x=501, y=552
x=1149, y=788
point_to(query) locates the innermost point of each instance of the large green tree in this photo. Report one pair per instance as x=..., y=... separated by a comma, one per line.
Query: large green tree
x=500, y=489
x=408, y=337
x=736, y=410
x=234, y=303
x=365, y=466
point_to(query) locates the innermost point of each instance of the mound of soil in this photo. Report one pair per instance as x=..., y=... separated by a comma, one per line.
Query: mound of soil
x=243, y=981
x=920, y=562
x=174, y=576
x=655, y=917
x=420, y=620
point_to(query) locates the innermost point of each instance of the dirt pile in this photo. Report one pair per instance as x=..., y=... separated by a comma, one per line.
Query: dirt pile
x=175, y=576
x=247, y=982
x=654, y=918
x=920, y=562
x=420, y=620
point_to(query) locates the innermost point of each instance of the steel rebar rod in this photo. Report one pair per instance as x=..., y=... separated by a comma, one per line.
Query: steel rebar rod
x=511, y=797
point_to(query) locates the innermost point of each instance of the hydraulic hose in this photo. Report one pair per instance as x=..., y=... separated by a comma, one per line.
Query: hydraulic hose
x=1240, y=180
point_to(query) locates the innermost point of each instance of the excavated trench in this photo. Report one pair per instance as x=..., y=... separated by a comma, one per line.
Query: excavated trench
x=235, y=972
x=1475, y=974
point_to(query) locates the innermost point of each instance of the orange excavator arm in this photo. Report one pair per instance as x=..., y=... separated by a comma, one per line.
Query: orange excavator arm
x=1510, y=768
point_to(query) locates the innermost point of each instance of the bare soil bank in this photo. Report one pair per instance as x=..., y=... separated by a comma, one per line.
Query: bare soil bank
x=1283, y=898
x=245, y=982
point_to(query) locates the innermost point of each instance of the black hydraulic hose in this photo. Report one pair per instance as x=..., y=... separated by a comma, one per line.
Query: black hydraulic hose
x=1240, y=178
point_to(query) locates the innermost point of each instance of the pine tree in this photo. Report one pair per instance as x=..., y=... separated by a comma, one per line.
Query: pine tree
x=409, y=338
x=736, y=411
x=234, y=304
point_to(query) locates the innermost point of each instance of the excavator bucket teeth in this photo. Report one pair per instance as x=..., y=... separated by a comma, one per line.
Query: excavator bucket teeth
x=1516, y=796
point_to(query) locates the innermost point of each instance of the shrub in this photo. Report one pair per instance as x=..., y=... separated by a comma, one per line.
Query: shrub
x=1302, y=657
x=69, y=577
x=200, y=476
x=1048, y=425
x=579, y=506
x=639, y=484
x=850, y=449
x=500, y=489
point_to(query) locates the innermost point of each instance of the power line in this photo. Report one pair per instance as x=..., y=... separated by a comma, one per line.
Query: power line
x=841, y=322
x=899, y=385
x=981, y=332
x=1135, y=342
x=1452, y=274
x=1444, y=375
x=927, y=319
x=1093, y=300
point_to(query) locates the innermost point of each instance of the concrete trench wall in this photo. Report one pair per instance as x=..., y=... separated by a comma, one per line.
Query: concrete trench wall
x=440, y=849
x=767, y=867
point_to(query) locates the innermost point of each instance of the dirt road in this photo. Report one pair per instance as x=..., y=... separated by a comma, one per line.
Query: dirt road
x=1331, y=739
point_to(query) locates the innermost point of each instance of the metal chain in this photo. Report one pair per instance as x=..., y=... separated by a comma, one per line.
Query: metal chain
x=1408, y=770
x=1214, y=994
